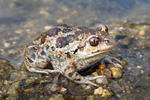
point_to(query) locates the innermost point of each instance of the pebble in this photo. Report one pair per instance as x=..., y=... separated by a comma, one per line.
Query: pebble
x=95, y=74
x=139, y=67
x=29, y=90
x=54, y=87
x=142, y=71
x=19, y=31
x=63, y=90
x=106, y=93
x=142, y=32
x=6, y=44
x=44, y=13
x=116, y=72
x=98, y=91
x=59, y=21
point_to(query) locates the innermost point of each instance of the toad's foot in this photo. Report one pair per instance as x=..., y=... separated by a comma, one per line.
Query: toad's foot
x=76, y=77
x=112, y=60
x=88, y=80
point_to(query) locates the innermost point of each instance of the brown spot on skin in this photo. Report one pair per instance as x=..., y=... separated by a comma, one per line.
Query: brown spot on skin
x=65, y=69
x=44, y=65
x=47, y=46
x=68, y=55
x=43, y=38
x=70, y=74
x=47, y=41
x=72, y=63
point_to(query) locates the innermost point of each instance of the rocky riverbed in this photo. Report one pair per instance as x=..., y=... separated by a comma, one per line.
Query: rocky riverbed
x=21, y=21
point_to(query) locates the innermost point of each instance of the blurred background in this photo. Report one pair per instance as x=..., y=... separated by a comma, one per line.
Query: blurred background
x=23, y=20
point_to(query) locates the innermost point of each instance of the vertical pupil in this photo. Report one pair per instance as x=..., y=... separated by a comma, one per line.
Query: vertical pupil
x=94, y=41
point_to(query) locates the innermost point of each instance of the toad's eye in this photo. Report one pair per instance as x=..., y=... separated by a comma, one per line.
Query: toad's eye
x=94, y=41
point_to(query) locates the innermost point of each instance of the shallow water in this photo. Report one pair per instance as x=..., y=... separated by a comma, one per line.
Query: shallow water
x=23, y=20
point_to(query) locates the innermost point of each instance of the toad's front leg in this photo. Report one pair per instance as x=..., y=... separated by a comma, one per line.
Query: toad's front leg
x=71, y=73
x=112, y=60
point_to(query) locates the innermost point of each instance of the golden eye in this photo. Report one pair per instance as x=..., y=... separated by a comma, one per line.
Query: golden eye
x=94, y=41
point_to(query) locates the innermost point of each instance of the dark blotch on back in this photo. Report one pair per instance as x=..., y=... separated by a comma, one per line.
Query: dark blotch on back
x=64, y=25
x=33, y=49
x=53, y=48
x=43, y=53
x=63, y=41
x=53, y=32
x=66, y=30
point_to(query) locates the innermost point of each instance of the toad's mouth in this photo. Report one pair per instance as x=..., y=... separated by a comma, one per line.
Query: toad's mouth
x=96, y=53
x=99, y=52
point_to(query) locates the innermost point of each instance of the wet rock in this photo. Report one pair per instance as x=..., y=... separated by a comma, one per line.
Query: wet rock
x=142, y=32
x=104, y=92
x=116, y=72
x=63, y=90
x=107, y=93
x=98, y=91
x=12, y=91
x=107, y=72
